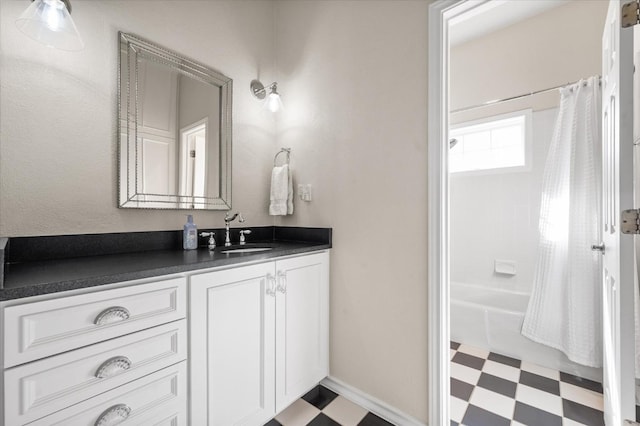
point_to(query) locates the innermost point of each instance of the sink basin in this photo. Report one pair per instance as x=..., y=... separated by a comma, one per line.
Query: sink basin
x=245, y=249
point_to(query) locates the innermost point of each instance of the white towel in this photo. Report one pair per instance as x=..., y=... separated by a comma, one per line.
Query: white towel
x=281, y=191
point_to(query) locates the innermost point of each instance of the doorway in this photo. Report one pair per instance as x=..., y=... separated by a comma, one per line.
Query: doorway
x=440, y=187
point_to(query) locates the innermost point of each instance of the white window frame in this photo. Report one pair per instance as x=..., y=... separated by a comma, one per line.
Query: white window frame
x=528, y=143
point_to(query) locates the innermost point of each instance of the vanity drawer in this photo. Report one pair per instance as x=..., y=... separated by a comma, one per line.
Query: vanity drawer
x=157, y=399
x=40, y=388
x=40, y=329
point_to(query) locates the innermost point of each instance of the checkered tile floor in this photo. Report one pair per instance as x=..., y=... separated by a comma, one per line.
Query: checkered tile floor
x=322, y=407
x=488, y=389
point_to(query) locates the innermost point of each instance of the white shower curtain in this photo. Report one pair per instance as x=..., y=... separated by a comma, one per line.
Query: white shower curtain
x=564, y=310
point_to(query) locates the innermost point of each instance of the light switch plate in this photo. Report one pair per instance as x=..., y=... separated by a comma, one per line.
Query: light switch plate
x=304, y=192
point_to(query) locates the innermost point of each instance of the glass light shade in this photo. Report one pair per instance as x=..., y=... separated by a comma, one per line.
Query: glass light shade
x=273, y=102
x=49, y=22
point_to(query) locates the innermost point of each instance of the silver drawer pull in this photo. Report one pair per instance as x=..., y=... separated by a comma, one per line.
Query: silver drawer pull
x=114, y=415
x=113, y=314
x=271, y=285
x=282, y=282
x=113, y=366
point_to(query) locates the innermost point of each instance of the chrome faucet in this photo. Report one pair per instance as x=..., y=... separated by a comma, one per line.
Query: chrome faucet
x=227, y=220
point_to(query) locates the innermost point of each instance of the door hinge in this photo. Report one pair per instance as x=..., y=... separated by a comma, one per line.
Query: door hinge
x=630, y=14
x=630, y=221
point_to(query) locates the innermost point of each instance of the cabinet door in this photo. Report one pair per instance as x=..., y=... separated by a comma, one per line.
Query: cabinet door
x=232, y=346
x=302, y=325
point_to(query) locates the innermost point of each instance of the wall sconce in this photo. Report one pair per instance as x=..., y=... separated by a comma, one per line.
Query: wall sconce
x=273, y=102
x=49, y=22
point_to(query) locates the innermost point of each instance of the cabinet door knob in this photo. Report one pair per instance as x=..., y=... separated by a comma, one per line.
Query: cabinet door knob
x=113, y=366
x=114, y=415
x=112, y=314
x=271, y=285
x=282, y=282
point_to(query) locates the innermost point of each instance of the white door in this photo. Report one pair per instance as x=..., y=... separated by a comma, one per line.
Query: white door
x=617, y=195
x=157, y=158
x=302, y=326
x=232, y=346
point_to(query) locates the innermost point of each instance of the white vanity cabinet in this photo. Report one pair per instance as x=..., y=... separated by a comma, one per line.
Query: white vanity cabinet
x=226, y=347
x=97, y=357
x=302, y=326
x=259, y=338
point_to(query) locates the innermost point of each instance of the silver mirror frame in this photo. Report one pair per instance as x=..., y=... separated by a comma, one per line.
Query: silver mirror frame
x=128, y=194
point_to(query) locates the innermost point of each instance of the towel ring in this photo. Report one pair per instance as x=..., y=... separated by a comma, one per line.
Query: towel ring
x=282, y=150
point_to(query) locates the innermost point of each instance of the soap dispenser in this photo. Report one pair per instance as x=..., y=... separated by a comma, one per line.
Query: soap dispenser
x=190, y=234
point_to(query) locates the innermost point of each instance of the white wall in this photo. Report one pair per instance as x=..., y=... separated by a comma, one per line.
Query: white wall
x=353, y=79
x=58, y=113
x=495, y=216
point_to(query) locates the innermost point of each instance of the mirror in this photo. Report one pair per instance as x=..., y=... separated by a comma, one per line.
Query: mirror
x=174, y=130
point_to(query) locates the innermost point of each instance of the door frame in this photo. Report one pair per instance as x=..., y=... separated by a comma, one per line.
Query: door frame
x=440, y=13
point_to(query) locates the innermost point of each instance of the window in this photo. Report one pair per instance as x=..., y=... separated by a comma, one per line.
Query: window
x=498, y=143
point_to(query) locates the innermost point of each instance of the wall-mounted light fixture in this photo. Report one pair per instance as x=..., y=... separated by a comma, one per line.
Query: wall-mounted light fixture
x=273, y=101
x=49, y=22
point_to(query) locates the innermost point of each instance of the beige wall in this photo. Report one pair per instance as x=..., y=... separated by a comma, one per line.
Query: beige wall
x=353, y=78
x=547, y=50
x=58, y=128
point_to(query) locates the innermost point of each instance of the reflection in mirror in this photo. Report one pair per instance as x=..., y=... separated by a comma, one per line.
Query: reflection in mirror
x=175, y=130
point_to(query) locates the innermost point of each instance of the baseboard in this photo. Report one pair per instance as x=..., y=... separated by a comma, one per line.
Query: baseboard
x=377, y=407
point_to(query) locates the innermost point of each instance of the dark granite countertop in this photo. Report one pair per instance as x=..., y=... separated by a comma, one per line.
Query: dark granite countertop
x=42, y=276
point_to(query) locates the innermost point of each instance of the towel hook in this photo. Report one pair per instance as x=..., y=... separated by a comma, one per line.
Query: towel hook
x=285, y=150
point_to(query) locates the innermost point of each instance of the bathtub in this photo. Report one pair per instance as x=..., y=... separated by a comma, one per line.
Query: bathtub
x=491, y=318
